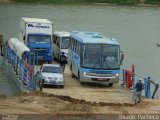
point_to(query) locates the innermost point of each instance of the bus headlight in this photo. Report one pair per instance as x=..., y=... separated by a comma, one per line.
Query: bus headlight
x=84, y=73
x=115, y=75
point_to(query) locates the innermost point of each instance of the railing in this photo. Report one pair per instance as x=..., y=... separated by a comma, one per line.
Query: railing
x=130, y=78
x=19, y=66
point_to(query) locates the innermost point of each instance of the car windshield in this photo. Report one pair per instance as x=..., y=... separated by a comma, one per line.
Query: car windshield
x=65, y=43
x=39, y=38
x=101, y=56
x=51, y=69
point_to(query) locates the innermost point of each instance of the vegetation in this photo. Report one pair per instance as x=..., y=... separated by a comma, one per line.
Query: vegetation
x=119, y=2
x=154, y=2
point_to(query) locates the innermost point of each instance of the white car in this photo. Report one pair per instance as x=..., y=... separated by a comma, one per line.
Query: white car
x=51, y=74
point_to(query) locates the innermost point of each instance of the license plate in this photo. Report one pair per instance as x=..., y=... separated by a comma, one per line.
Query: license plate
x=100, y=79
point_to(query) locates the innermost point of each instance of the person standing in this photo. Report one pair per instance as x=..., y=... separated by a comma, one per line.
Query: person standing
x=1, y=44
x=122, y=58
x=63, y=61
x=139, y=87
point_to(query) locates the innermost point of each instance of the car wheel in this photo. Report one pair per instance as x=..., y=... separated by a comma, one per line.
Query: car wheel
x=82, y=83
x=61, y=86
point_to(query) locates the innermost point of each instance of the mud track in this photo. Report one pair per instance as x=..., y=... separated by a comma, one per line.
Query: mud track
x=76, y=101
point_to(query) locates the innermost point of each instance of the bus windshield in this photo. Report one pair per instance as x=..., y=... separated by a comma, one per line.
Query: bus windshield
x=39, y=38
x=101, y=56
x=65, y=43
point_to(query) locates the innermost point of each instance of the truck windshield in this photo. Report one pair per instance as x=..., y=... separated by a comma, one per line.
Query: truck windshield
x=65, y=43
x=39, y=38
x=101, y=56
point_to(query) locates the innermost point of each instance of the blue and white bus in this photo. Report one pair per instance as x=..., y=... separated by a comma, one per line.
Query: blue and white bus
x=94, y=58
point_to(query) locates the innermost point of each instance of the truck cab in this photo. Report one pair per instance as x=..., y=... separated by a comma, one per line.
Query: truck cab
x=36, y=33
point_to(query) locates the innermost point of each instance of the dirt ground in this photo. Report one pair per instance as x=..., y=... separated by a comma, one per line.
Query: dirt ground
x=77, y=99
x=42, y=103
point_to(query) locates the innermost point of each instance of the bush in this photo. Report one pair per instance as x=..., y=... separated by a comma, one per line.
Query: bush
x=152, y=1
x=120, y=2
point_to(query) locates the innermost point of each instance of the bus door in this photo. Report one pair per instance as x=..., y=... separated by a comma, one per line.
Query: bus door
x=56, y=46
x=76, y=58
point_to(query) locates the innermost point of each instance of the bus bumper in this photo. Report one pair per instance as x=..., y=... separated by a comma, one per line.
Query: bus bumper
x=99, y=80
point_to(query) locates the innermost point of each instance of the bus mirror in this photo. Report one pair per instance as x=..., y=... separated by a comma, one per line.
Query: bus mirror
x=121, y=57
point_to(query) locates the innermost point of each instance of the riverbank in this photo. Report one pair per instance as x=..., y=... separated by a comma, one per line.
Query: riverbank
x=7, y=86
x=43, y=103
x=93, y=2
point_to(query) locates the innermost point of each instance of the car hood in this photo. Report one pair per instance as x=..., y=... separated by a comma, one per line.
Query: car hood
x=57, y=75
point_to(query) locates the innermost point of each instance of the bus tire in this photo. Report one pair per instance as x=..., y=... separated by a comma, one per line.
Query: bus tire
x=73, y=76
x=110, y=84
x=78, y=76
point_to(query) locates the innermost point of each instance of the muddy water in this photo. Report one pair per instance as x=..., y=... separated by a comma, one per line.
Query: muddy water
x=136, y=28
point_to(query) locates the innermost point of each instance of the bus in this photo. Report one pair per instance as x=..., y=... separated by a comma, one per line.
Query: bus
x=60, y=43
x=94, y=58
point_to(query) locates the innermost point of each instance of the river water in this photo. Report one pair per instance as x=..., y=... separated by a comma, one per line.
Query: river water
x=136, y=28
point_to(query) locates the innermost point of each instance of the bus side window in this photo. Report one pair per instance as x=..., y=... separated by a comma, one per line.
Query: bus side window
x=78, y=48
x=74, y=45
x=71, y=44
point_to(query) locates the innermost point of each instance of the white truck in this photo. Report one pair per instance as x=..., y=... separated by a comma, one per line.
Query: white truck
x=37, y=35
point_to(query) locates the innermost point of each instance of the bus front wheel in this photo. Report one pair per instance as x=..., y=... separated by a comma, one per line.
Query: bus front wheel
x=73, y=76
